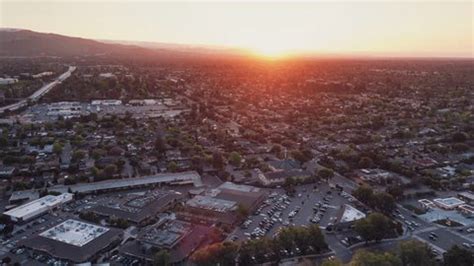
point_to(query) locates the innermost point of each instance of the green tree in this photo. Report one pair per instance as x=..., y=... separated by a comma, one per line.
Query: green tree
x=57, y=147
x=460, y=137
x=242, y=211
x=160, y=144
x=110, y=170
x=223, y=253
x=172, y=166
x=332, y=263
x=235, y=159
x=3, y=141
x=458, y=256
x=364, y=194
x=161, y=258
x=365, y=162
x=376, y=226
x=366, y=258
x=384, y=202
x=218, y=160
x=78, y=155
x=326, y=173
x=415, y=253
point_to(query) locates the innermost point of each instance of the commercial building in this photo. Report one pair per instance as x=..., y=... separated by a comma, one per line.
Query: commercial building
x=37, y=207
x=183, y=178
x=137, y=208
x=74, y=241
x=467, y=210
x=448, y=203
x=221, y=204
x=179, y=238
x=107, y=102
x=426, y=203
x=467, y=196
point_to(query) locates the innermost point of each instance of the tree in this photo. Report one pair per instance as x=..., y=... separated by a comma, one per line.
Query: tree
x=242, y=211
x=332, y=263
x=110, y=170
x=384, y=202
x=161, y=258
x=218, y=160
x=365, y=162
x=277, y=149
x=458, y=256
x=376, y=226
x=325, y=173
x=223, y=253
x=302, y=156
x=415, y=253
x=235, y=159
x=172, y=166
x=366, y=258
x=364, y=194
x=395, y=190
x=460, y=137
x=160, y=144
x=3, y=141
x=57, y=147
x=78, y=155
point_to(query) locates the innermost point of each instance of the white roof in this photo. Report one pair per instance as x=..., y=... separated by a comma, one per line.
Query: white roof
x=74, y=232
x=38, y=205
x=351, y=214
x=449, y=202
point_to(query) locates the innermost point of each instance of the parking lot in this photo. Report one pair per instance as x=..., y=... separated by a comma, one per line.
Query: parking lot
x=318, y=204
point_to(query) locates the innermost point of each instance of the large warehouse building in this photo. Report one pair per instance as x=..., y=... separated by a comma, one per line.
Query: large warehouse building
x=74, y=241
x=37, y=207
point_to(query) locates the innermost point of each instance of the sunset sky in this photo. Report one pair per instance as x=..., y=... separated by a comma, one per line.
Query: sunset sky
x=395, y=28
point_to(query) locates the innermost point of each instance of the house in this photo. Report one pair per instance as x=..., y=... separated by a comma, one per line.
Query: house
x=7, y=171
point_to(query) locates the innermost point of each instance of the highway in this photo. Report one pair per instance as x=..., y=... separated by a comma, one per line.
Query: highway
x=39, y=93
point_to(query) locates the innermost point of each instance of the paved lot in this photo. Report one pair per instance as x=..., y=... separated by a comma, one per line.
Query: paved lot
x=305, y=198
x=445, y=239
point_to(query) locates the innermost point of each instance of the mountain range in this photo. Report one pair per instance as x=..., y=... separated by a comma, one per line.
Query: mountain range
x=20, y=42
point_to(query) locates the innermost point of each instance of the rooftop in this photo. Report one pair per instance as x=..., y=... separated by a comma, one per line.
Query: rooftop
x=210, y=203
x=74, y=232
x=45, y=202
x=191, y=176
x=449, y=202
x=351, y=214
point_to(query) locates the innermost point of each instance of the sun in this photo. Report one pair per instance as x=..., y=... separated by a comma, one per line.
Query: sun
x=270, y=51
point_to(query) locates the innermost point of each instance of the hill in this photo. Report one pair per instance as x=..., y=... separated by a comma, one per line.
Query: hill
x=30, y=43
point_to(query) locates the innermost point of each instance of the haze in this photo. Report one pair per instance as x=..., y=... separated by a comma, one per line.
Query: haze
x=266, y=28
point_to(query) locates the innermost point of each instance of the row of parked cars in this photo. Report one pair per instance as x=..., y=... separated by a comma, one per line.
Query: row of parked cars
x=271, y=217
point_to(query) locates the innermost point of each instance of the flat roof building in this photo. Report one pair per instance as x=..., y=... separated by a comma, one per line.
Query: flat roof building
x=37, y=207
x=74, y=241
x=448, y=203
x=74, y=232
x=468, y=196
x=191, y=177
x=211, y=204
x=137, y=208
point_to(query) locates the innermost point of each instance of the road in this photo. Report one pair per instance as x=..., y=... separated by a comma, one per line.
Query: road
x=39, y=93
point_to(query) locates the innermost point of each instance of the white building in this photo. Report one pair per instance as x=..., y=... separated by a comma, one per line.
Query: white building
x=448, y=203
x=37, y=207
x=107, y=102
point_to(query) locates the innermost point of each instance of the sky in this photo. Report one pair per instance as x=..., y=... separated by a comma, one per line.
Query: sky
x=392, y=28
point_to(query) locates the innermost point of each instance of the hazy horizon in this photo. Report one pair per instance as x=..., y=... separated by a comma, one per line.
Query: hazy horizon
x=426, y=29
